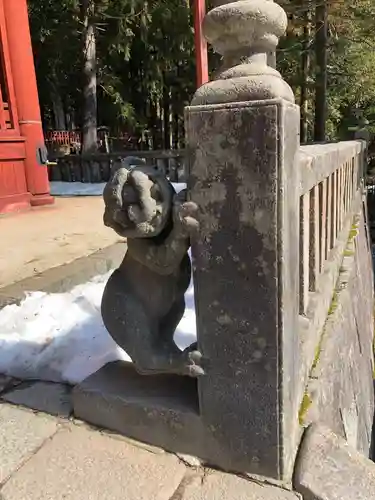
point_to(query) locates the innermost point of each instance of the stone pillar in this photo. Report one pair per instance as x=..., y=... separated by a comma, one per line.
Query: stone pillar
x=242, y=137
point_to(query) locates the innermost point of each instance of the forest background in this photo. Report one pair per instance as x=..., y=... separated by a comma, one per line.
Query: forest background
x=129, y=65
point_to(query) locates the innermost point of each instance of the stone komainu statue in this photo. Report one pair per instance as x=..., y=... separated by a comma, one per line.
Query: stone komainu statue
x=143, y=300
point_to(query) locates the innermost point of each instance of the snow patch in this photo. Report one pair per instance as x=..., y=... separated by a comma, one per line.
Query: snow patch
x=58, y=188
x=61, y=337
x=69, y=189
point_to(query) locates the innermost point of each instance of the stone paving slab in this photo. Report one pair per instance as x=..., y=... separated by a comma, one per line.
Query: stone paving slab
x=55, y=235
x=329, y=469
x=79, y=463
x=50, y=398
x=66, y=276
x=43, y=458
x=219, y=486
x=22, y=433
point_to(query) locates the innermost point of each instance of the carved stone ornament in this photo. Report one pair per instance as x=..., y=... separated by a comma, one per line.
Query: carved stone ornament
x=143, y=300
x=246, y=34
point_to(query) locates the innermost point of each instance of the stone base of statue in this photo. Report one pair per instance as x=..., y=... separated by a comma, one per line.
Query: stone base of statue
x=160, y=410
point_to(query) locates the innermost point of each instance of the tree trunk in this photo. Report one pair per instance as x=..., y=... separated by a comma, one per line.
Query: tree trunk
x=305, y=74
x=166, y=114
x=58, y=109
x=89, y=118
x=321, y=42
x=155, y=123
x=176, y=108
x=175, y=122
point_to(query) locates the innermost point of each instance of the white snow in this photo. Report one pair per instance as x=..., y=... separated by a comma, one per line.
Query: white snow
x=59, y=188
x=61, y=337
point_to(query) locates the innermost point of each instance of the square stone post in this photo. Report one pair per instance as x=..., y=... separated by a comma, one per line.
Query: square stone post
x=242, y=138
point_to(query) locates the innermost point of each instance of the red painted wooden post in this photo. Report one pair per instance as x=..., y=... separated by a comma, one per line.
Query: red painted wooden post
x=26, y=91
x=200, y=43
x=14, y=194
x=8, y=99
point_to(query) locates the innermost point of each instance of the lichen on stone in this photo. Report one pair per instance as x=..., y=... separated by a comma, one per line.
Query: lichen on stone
x=349, y=253
x=334, y=302
x=304, y=407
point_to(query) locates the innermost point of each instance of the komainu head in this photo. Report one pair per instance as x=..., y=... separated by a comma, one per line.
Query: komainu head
x=138, y=200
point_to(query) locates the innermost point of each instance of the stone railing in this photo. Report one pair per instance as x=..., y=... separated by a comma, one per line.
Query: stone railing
x=334, y=256
x=282, y=276
x=335, y=351
x=330, y=177
x=331, y=193
x=97, y=167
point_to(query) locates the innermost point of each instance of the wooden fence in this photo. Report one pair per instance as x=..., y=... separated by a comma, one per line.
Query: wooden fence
x=97, y=168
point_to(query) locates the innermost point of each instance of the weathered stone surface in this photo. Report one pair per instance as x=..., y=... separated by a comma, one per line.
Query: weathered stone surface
x=319, y=304
x=341, y=384
x=329, y=469
x=317, y=162
x=47, y=397
x=245, y=34
x=160, y=410
x=7, y=383
x=83, y=464
x=22, y=433
x=62, y=278
x=219, y=486
x=244, y=179
x=189, y=460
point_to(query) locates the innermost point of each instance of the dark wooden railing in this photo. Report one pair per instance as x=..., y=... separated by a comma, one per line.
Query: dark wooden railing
x=97, y=167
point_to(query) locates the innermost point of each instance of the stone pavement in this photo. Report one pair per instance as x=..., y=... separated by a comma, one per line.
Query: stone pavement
x=47, y=237
x=55, y=457
x=55, y=248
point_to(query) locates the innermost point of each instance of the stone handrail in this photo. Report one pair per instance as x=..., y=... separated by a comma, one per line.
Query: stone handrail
x=330, y=176
x=318, y=161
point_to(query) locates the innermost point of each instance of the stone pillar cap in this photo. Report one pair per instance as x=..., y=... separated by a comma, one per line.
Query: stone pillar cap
x=246, y=23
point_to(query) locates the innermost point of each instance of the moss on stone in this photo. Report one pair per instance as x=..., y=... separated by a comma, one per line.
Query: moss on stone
x=334, y=302
x=318, y=351
x=349, y=253
x=354, y=230
x=304, y=407
x=332, y=308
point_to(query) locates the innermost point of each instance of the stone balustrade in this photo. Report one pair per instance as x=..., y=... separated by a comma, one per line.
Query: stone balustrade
x=282, y=274
x=335, y=324
x=330, y=179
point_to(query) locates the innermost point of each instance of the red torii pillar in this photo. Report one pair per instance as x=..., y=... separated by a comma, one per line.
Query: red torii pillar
x=200, y=42
x=27, y=99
